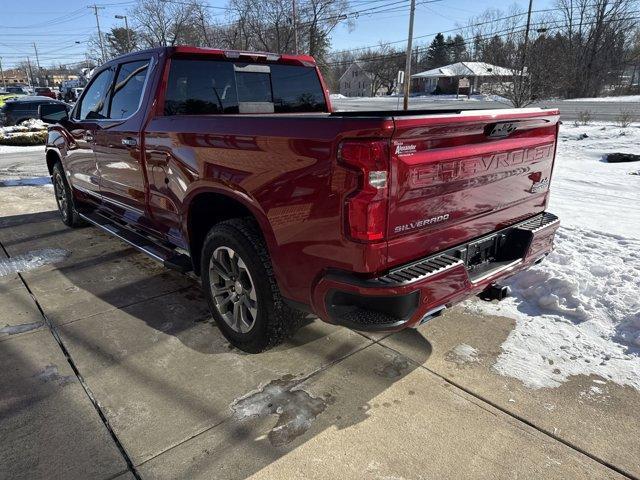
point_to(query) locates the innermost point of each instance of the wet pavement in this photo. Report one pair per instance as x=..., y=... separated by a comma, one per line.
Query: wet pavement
x=112, y=369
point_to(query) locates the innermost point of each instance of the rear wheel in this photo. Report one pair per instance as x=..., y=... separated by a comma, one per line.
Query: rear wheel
x=64, y=198
x=241, y=289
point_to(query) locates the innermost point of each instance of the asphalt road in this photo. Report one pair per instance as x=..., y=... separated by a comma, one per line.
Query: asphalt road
x=601, y=111
x=29, y=163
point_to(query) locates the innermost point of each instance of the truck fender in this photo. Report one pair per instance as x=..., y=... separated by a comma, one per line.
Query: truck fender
x=240, y=196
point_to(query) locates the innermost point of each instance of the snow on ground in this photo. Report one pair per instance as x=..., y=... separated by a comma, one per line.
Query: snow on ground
x=578, y=312
x=621, y=99
x=463, y=353
x=12, y=149
x=589, y=193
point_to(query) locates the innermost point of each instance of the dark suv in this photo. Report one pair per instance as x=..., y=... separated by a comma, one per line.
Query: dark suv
x=16, y=111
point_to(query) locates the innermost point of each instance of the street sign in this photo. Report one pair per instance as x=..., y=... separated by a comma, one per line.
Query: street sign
x=463, y=83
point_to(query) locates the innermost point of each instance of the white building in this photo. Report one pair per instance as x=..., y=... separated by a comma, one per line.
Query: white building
x=447, y=78
x=356, y=82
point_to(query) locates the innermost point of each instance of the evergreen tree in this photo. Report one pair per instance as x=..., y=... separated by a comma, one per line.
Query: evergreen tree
x=438, y=52
x=458, y=49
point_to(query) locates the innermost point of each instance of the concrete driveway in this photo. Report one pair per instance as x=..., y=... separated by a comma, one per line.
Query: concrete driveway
x=112, y=369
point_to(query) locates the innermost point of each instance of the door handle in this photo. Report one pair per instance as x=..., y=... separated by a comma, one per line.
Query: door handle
x=129, y=142
x=88, y=137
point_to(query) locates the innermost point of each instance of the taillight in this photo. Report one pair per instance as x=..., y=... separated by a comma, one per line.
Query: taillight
x=366, y=208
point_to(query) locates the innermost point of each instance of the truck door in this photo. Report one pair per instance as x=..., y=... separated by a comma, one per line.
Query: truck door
x=118, y=144
x=87, y=116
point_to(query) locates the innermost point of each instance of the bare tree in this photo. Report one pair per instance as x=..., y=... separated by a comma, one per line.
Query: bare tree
x=269, y=25
x=162, y=24
x=594, y=42
x=383, y=64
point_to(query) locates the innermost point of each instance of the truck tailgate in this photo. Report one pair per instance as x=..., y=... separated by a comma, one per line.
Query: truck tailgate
x=455, y=177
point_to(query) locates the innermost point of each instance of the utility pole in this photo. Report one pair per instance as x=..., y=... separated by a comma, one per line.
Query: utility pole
x=4, y=84
x=126, y=26
x=407, y=66
x=30, y=74
x=295, y=27
x=520, y=90
x=37, y=62
x=526, y=38
x=95, y=10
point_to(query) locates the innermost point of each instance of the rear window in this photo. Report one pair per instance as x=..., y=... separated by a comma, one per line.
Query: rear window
x=198, y=87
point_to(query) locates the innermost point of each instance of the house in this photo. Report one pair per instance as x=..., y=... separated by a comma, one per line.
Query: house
x=15, y=76
x=56, y=77
x=479, y=76
x=357, y=82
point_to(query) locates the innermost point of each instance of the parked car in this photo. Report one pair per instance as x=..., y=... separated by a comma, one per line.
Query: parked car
x=45, y=92
x=72, y=94
x=233, y=165
x=14, y=90
x=19, y=109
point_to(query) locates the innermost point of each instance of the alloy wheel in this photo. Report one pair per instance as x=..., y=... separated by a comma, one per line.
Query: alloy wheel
x=61, y=195
x=233, y=290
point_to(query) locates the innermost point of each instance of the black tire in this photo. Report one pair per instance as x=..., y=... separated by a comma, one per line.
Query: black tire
x=274, y=320
x=64, y=198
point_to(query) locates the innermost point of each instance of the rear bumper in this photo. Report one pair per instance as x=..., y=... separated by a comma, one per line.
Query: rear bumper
x=410, y=293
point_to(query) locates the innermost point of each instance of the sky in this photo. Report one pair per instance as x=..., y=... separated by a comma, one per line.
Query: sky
x=55, y=27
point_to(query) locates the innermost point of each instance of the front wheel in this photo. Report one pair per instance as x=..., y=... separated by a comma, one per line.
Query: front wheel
x=240, y=287
x=64, y=198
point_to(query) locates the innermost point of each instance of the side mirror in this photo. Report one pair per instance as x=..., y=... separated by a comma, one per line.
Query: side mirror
x=53, y=112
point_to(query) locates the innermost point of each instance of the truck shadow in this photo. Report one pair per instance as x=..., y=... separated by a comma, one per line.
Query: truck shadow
x=117, y=313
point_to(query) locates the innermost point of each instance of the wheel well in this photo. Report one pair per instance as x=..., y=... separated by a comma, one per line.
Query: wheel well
x=52, y=159
x=205, y=211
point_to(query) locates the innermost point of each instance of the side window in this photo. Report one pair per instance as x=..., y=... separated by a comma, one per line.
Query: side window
x=297, y=89
x=92, y=103
x=200, y=87
x=128, y=87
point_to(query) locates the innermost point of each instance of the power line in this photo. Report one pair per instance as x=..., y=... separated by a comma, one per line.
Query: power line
x=500, y=33
x=456, y=29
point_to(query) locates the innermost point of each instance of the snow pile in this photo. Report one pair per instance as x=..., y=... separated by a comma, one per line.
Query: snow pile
x=578, y=312
x=31, y=125
x=28, y=133
x=334, y=96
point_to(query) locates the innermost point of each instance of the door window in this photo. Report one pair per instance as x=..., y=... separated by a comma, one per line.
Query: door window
x=92, y=105
x=128, y=89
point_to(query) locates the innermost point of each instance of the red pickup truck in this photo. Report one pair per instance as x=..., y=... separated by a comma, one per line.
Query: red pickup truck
x=233, y=165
